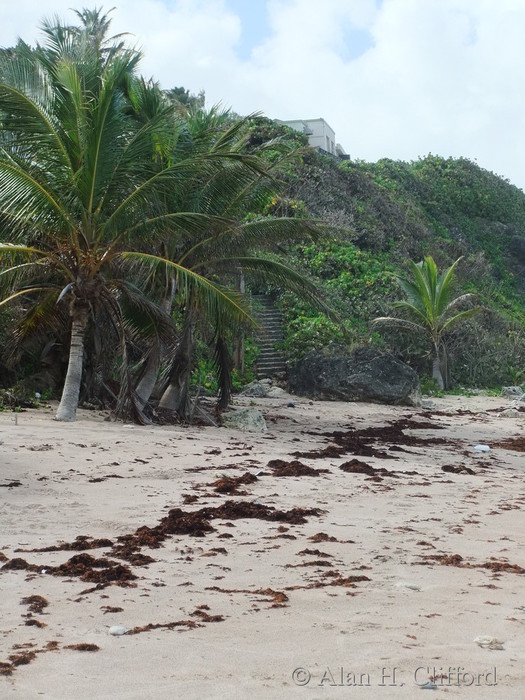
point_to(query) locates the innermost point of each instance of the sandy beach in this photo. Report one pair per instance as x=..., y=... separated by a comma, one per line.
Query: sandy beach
x=352, y=550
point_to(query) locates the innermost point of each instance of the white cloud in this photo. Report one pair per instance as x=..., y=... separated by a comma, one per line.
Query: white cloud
x=442, y=76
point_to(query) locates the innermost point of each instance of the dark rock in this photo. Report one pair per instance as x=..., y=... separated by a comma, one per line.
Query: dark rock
x=364, y=375
x=517, y=248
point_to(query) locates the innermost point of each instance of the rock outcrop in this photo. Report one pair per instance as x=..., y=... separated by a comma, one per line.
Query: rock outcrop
x=364, y=375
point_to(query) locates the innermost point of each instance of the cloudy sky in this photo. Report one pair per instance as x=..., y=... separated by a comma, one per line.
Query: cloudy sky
x=394, y=78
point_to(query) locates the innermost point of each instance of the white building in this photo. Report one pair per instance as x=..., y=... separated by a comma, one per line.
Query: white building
x=320, y=135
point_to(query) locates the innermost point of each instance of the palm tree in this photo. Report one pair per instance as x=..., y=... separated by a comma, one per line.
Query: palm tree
x=80, y=184
x=430, y=309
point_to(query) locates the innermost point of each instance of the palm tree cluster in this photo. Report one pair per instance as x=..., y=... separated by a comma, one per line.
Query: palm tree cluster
x=123, y=217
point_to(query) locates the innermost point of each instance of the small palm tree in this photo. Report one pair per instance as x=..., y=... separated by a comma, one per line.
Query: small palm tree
x=430, y=309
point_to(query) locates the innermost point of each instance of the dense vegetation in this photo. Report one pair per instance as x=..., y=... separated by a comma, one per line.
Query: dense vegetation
x=132, y=231
x=391, y=212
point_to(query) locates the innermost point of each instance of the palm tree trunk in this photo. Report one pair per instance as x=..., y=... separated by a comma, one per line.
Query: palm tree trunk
x=445, y=367
x=67, y=409
x=224, y=365
x=238, y=340
x=175, y=397
x=437, y=375
x=149, y=377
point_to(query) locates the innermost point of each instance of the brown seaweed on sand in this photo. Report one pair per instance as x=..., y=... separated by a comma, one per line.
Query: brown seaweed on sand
x=79, y=544
x=516, y=444
x=200, y=612
x=278, y=599
x=354, y=466
x=111, y=609
x=23, y=656
x=83, y=646
x=36, y=603
x=313, y=553
x=104, y=572
x=294, y=468
x=457, y=560
x=231, y=484
x=332, y=578
x=360, y=442
x=82, y=566
x=462, y=469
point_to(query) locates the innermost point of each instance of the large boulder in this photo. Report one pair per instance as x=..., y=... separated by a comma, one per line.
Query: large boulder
x=364, y=375
x=255, y=389
x=512, y=392
x=248, y=419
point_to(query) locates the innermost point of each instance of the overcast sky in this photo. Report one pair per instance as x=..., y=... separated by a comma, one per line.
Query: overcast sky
x=394, y=78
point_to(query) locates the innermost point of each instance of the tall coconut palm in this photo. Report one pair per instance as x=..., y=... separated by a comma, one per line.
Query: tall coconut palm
x=430, y=309
x=79, y=183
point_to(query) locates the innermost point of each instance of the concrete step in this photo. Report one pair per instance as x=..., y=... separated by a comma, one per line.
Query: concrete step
x=270, y=321
x=271, y=373
x=269, y=338
x=269, y=341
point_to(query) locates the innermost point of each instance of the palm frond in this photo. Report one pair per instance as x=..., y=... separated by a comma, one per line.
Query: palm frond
x=413, y=309
x=261, y=234
x=399, y=323
x=215, y=298
x=444, y=287
x=27, y=103
x=21, y=293
x=144, y=318
x=22, y=196
x=12, y=252
x=462, y=316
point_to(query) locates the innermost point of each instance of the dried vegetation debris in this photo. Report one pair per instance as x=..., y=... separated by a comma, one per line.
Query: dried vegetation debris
x=280, y=467
x=359, y=442
x=457, y=560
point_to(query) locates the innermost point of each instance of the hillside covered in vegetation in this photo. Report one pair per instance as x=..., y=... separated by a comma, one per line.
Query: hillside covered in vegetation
x=387, y=212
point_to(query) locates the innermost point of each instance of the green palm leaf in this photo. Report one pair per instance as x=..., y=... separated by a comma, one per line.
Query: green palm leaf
x=212, y=294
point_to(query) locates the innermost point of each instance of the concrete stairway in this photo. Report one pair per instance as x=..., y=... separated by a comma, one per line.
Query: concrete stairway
x=270, y=362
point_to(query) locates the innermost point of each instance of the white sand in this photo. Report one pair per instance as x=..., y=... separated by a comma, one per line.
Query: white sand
x=350, y=640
